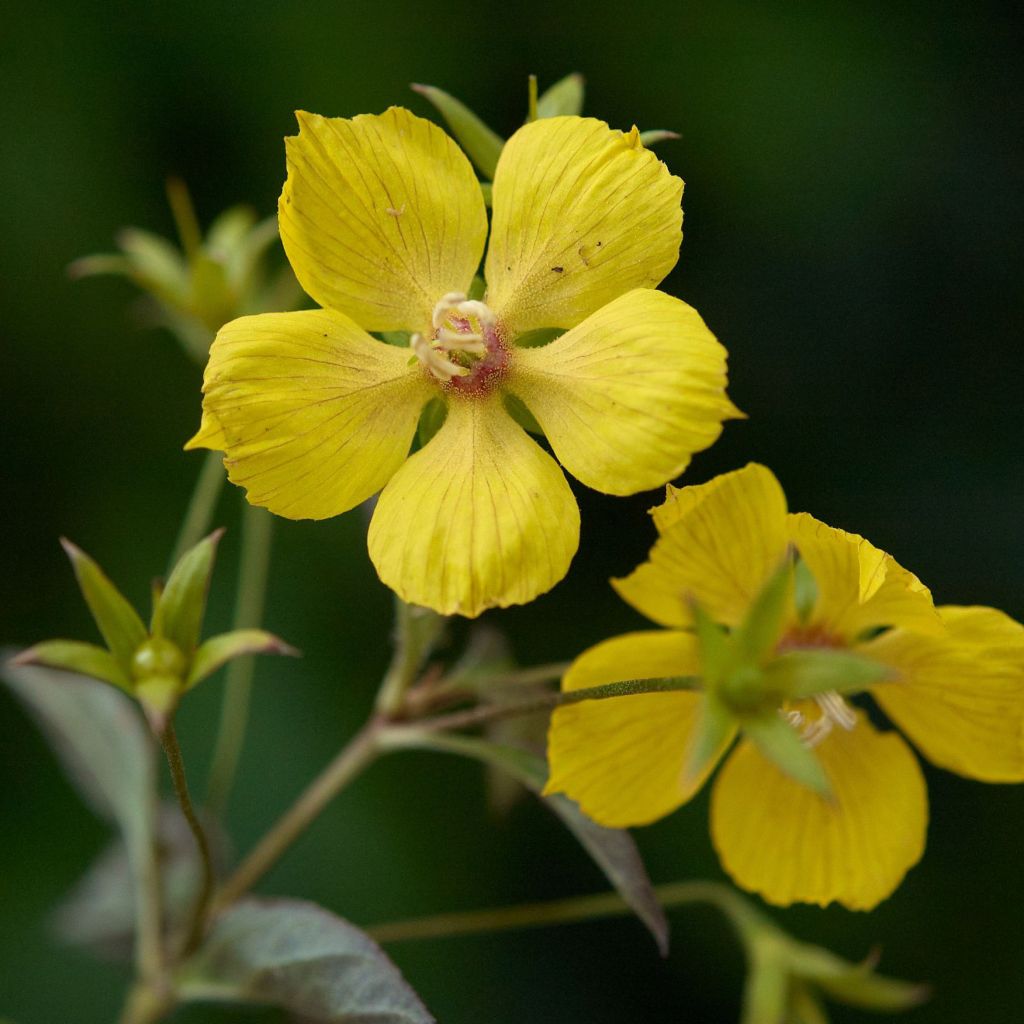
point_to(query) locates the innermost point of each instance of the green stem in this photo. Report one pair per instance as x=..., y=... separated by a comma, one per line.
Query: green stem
x=566, y=911
x=194, y=932
x=350, y=761
x=149, y=957
x=491, y=712
x=199, y=515
x=416, y=632
x=254, y=567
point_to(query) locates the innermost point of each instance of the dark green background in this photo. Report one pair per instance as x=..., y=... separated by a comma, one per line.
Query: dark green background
x=853, y=226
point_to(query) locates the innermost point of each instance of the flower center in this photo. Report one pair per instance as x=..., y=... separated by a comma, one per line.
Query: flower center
x=464, y=351
x=834, y=711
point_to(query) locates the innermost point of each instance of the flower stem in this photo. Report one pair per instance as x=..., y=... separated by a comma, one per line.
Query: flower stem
x=491, y=712
x=352, y=759
x=257, y=529
x=416, y=632
x=566, y=911
x=194, y=933
x=201, y=505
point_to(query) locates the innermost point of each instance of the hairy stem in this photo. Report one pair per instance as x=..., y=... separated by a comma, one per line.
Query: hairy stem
x=199, y=514
x=352, y=759
x=566, y=911
x=194, y=932
x=491, y=712
x=148, y=894
x=257, y=529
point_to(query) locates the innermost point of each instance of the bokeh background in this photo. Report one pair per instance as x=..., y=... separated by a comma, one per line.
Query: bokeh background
x=853, y=225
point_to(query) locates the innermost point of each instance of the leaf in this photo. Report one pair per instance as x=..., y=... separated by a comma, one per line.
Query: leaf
x=808, y=672
x=613, y=850
x=179, y=612
x=118, y=622
x=74, y=656
x=224, y=647
x=564, y=97
x=302, y=958
x=98, y=737
x=781, y=744
x=483, y=145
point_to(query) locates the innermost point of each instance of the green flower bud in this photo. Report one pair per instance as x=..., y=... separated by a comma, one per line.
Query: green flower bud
x=158, y=658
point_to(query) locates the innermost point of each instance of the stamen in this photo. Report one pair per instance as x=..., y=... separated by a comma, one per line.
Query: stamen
x=834, y=712
x=463, y=338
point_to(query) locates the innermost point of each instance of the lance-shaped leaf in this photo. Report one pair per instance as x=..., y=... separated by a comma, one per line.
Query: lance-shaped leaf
x=225, y=647
x=564, y=97
x=655, y=135
x=483, y=145
x=781, y=744
x=613, y=850
x=856, y=984
x=100, y=741
x=75, y=656
x=118, y=622
x=178, y=615
x=299, y=957
x=804, y=673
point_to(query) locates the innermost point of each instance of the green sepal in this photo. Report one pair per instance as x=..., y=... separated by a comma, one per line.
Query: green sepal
x=118, y=622
x=478, y=286
x=487, y=191
x=781, y=744
x=225, y=647
x=517, y=409
x=805, y=590
x=758, y=635
x=715, y=731
x=656, y=135
x=483, y=145
x=539, y=337
x=74, y=656
x=565, y=97
x=531, y=99
x=156, y=264
x=435, y=412
x=400, y=339
x=716, y=654
x=805, y=673
x=159, y=697
x=178, y=616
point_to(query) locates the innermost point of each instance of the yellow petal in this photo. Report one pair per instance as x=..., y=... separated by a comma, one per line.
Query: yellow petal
x=313, y=415
x=721, y=548
x=582, y=214
x=380, y=216
x=859, y=586
x=479, y=518
x=783, y=841
x=959, y=700
x=622, y=759
x=630, y=394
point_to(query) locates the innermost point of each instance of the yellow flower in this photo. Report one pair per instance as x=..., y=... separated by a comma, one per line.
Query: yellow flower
x=956, y=689
x=384, y=223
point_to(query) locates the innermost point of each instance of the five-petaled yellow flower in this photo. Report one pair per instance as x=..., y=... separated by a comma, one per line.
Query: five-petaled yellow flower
x=956, y=689
x=384, y=223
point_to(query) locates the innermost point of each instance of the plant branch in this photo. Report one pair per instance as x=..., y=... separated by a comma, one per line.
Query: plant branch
x=254, y=567
x=491, y=712
x=350, y=761
x=194, y=933
x=416, y=632
x=566, y=911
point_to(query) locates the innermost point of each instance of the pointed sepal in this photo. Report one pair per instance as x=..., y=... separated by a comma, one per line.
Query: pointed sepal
x=75, y=656
x=781, y=744
x=219, y=650
x=481, y=143
x=806, y=673
x=117, y=620
x=178, y=615
x=563, y=98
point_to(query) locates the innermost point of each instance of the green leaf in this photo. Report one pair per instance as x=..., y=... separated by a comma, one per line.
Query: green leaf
x=117, y=620
x=716, y=728
x=435, y=412
x=656, y=135
x=613, y=850
x=483, y=145
x=758, y=635
x=99, y=738
x=564, y=97
x=804, y=673
x=179, y=611
x=220, y=649
x=781, y=744
x=299, y=957
x=74, y=656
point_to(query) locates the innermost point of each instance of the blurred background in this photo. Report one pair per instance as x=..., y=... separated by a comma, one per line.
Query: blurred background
x=853, y=235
